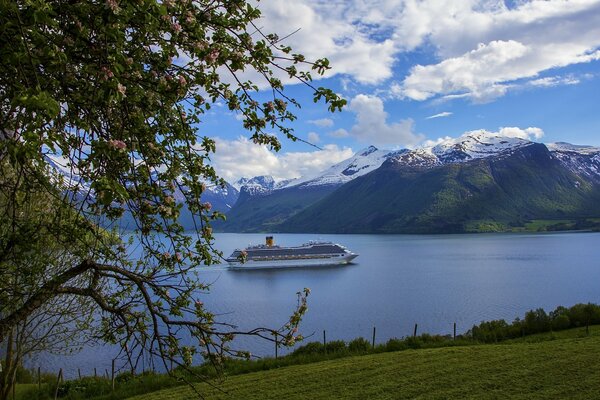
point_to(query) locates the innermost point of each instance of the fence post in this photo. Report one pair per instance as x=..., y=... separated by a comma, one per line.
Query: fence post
x=113, y=375
x=58, y=380
x=373, y=337
x=454, y=331
x=276, y=347
x=95, y=373
x=79, y=372
x=39, y=378
x=415, y=331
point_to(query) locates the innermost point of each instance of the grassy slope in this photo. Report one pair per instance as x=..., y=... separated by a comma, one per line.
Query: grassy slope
x=564, y=368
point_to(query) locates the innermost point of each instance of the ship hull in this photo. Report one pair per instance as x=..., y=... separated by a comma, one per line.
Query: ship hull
x=315, y=262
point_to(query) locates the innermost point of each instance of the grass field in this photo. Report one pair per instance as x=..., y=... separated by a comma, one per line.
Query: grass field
x=549, y=366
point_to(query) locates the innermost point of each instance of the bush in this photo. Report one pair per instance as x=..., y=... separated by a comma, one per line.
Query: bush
x=335, y=346
x=561, y=322
x=309, y=348
x=395, y=344
x=359, y=345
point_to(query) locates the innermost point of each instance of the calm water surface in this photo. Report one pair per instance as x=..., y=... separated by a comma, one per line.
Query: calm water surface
x=400, y=280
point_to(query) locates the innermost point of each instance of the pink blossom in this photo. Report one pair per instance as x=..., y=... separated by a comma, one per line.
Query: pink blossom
x=189, y=18
x=113, y=5
x=121, y=89
x=212, y=56
x=117, y=144
x=207, y=206
x=176, y=27
x=182, y=80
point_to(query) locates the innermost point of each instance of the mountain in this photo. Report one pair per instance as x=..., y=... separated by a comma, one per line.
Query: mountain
x=461, y=185
x=263, y=204
x=222, y=198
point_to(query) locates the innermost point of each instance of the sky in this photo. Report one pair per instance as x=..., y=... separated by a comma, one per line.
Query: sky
x=417, y=71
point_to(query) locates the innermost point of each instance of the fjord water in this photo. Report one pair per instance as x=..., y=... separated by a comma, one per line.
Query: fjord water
x=400, y=280
x=397, y=281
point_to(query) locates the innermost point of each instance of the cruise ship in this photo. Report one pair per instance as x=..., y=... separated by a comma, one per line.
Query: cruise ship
x=310, y=254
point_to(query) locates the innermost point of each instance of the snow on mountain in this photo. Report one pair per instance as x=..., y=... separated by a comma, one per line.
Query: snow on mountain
x=470, y=146
x=573, y=148
x=361, y=163
x=255, y=186
x=221, y=197
x=584, y=160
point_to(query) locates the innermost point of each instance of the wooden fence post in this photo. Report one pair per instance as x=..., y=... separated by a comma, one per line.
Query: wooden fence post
x=415, y=331
x=324, y=339
x=112, y=379
x=95, y=373
x=454, y=331
x=58, y=380
x=373, y=342
x=39, y=378
x=276, y=347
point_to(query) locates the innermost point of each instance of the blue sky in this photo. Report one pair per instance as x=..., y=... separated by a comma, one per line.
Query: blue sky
x=414, y=72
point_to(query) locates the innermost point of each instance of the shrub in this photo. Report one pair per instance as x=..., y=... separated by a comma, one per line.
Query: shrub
x=359, y=345
x=309, y=348
x=395, y=344
x=336, y=346
x=561, y=322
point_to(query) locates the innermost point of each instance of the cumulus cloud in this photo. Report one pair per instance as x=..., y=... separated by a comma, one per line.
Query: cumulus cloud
x=372, y=126
x=326, y=31
x=313, y=137
x=339, y=133
x=242, y=158
x=323, y=122
x=440, y=115
x=487, y=48
x=531, y=133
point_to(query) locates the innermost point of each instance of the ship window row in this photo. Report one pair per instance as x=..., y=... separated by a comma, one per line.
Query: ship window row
x=294, y=257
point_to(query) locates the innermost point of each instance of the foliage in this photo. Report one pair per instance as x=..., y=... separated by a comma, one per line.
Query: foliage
x=114, y=92
x=537, y=321
x=552, y=369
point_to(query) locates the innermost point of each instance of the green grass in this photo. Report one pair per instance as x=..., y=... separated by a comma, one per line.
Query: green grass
x=547, y=366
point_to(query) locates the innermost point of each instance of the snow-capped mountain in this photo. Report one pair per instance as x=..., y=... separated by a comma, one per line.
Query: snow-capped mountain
x=470, y=146
x=361, y=163
x=222, y=198
x=583, y=160
x=255, y=186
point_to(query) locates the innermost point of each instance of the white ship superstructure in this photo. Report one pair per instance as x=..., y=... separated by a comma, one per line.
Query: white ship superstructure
x=310, y=254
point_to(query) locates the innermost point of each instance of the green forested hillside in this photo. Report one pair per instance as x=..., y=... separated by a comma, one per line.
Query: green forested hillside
x=498, y=192
x=260, y=213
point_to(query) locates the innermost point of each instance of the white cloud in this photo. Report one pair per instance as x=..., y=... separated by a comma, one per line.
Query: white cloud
x=313, y=137
x=323, y=122
x=242, y=158
x=339, y=133
x=371, y=125
x=440, y=115
x=486, y=48
x=551, y=81
x=531, y=133
x=327, y=31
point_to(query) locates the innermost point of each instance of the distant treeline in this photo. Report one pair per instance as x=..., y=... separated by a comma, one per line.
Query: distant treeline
x=537, y=321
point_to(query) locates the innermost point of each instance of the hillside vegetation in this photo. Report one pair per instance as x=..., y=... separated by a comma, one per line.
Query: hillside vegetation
x=565, y=366
x=491, y=194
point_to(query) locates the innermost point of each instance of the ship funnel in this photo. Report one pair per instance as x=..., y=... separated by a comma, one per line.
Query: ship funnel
x=269, y=241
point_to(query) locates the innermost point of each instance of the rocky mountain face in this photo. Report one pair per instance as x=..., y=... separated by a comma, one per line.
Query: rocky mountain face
x=455, y=185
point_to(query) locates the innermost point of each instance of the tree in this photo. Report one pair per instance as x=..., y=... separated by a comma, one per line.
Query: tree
x=117, y=90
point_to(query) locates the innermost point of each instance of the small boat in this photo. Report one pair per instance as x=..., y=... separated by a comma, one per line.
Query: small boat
x=269, y=255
